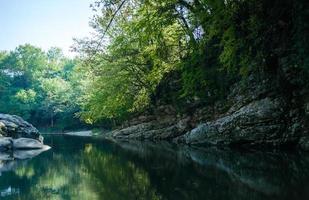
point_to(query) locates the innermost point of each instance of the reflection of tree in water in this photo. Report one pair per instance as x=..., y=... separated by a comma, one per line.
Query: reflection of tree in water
x=88, y=169
x=115, y=178
x=90, y=174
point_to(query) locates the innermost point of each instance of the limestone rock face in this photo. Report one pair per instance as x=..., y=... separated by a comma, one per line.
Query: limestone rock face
x=257, y=122
x=263, y=110
x=15, y=127
x=165, y=128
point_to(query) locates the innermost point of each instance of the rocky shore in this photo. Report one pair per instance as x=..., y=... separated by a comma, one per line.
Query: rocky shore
x=257, y=113
x=20, y=137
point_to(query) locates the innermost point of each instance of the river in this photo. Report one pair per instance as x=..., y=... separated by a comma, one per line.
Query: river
x=85, y=168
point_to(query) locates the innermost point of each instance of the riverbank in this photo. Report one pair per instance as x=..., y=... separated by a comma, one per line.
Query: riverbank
x=73, y=133
x=80, y=133
x=256, y=113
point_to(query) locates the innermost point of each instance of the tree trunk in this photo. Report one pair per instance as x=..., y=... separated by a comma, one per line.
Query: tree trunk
x=52, y=120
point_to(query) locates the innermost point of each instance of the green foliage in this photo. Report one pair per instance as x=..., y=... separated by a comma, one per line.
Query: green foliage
x=208, y=44
x=26, y=96
x=211, y=44
x=147, y=52
x=40, y=86
x=144, y=45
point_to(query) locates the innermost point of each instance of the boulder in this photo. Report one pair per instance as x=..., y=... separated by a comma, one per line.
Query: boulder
x=8, y=143
x=15, y=127
x=19, y=138
x=27, y=143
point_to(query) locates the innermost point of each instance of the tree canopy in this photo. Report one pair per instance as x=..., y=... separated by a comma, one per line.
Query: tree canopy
x=146, y=52
x=40, y=86
x=209, y=44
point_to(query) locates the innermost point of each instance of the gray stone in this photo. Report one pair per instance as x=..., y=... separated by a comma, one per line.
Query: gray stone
x=15, y=127
x=257, y=122
x=5, y=156
x=27, y=143
x=257, y=112
x=22, y=155
x=200, y=134
x=5, y=143
x=165, y=128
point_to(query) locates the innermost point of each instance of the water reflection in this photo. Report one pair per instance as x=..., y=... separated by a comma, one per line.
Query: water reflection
x=84, y=168
x=115, y=178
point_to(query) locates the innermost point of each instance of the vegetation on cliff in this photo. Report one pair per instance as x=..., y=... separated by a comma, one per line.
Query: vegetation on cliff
x=147, y=53
x=141, y=46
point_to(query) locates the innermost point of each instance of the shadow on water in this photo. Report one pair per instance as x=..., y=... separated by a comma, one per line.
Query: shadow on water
x=86, y=168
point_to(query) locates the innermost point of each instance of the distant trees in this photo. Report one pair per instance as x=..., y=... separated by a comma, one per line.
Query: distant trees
x=39, y=86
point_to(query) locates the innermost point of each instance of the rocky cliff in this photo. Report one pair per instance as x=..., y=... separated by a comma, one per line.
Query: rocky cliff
x=260, y=111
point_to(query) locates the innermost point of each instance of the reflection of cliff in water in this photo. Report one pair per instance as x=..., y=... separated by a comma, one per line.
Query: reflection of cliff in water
x=219, y=173
x=85, y=168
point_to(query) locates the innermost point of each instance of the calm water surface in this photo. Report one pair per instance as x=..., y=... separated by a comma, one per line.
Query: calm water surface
x=85, y=168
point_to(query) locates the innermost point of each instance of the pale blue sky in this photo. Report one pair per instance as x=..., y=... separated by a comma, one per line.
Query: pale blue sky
x=43, y=23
